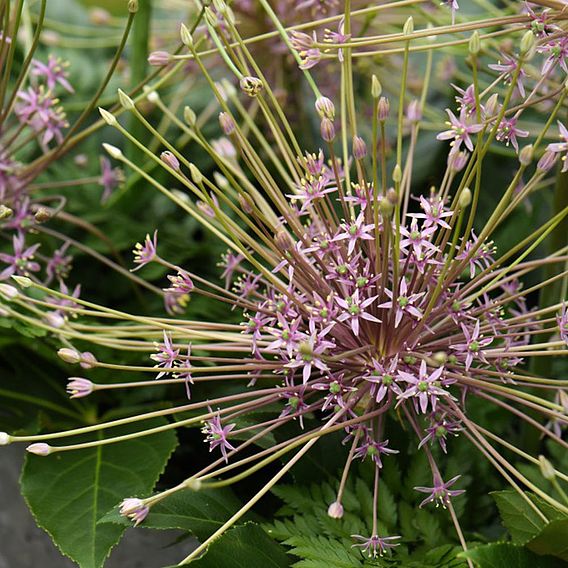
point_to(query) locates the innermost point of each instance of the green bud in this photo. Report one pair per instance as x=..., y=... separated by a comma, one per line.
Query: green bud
x=465, y=198
x=546, y=468
x=474, y=43
x=189, y=115
x=397, y=174
x=112, y=151
x=133, y=6
x=108, y=117
x=526, y=155
x=196, y=175
x=125, y=101
x=5, y=212
x=376, y=87
x=527, y=43
x=185, y=35
x=408, y=28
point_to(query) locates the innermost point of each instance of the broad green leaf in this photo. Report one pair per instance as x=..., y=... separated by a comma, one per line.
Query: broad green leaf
x=553, y=540
x=199, y=512
x=69, y=492
x=245, y=546
x=520, y=519
x=505, y=555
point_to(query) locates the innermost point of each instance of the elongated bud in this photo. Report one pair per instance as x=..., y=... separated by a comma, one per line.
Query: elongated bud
x=151, y=95
x=125, y=101
x=474, y=43
x=408, y=28
x=196, y=175
x=108, y=117
x=69, y=355
x=376, y=87
x=189, y=115
x=5, y=439
x=159, y=58
x=546, y=468
x=465, y=198
x=492, y=105
x=527, y=43
x=227, y=123
x=386, y=207
x=78, y=387
x=221, y=181
x=133, y=6
x=170, y=160
x=335, y=510
x=185, y=35
x=246, y=203
x=325, y=108
x=327, y=130
x=193, y=484
x=526, y=155
x=8, y=292
x=88, y=360
x=546, y=161
x=397, y=174
x=112, y=151
x=39, y=449
x=359, y=148
x=211, y=17
x=392, y=196
x=22, y=281
x=252, y=86
x=283, y=240
x=5, y=212
x=383, y=109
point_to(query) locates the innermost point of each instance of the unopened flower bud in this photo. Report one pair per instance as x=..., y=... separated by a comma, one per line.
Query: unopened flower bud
x=386, y=207
x=42, y=215
x=246, y=203
x=526, y=155
x=252, y=86
x=170, y=160
x=376, y=87
x=78, y=387
x=125, y=101
x=392, y=196
x=88, y=360
x=359, y=148
x=457, y=161
x=135, y=509
x=383, y=109
x=227, y=123
x=211, y=17
x=196, y=175
x=397, y=174
x=151, y=95
x=527, y=42
x=325, y=108
x=440, y=358
x=546, y=468
x=108, y=117
x=99, y=17
x=189, y=115
x=474, y=43
x=185, y=35
x=335, y=510
x=69, y=355
x=327, y=130
x=8, y=292
x=133, y=6
x=546, y=161
x=220, y=180
x=5, y=212
x=159, y=58
x=414, y=112
x=55, y=319
x=408, y=28
x=112, y=151
x=5, y=439
x=193, y=484
x=465, y=198
x=39, y=449
x=22, y=281
x=283, y=240
x=492, y=105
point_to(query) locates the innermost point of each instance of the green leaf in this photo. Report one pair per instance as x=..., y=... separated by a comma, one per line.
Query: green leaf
x=70, y=491
x=324, y=550
x=520, y=519
x=553, y=540
x=505, y=555
x=245, y=546
x=199, y=512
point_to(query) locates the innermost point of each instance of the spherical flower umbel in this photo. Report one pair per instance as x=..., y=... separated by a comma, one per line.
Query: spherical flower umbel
x=369, y=309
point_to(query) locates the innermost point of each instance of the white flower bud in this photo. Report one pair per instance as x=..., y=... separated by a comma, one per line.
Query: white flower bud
x=112, y=151
x=108, y=117
x=125, y=101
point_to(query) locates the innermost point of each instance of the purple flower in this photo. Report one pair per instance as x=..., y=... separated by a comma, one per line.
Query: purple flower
x=425, y=387
x=110, y=178
x=404, y=303
x=418, y=239
x=460, y=130
x=438, y=430
x=375, y=545
x=53, y=72
x=145, y=253
x=77, y=387
x=507, y=67
x=217, y=435
x=474, y=343
x=466, y=99
x=561, y=147
x=354, y=308
x=166, y=357
x=557, y=51
x=59, y=265
x=373, y=449
x=21, y=261
x=135, y=509
x=507, y=132
x=385, y=376
x=440, y=494
x=230, y=262
x=354, y=231
x=434, y=212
